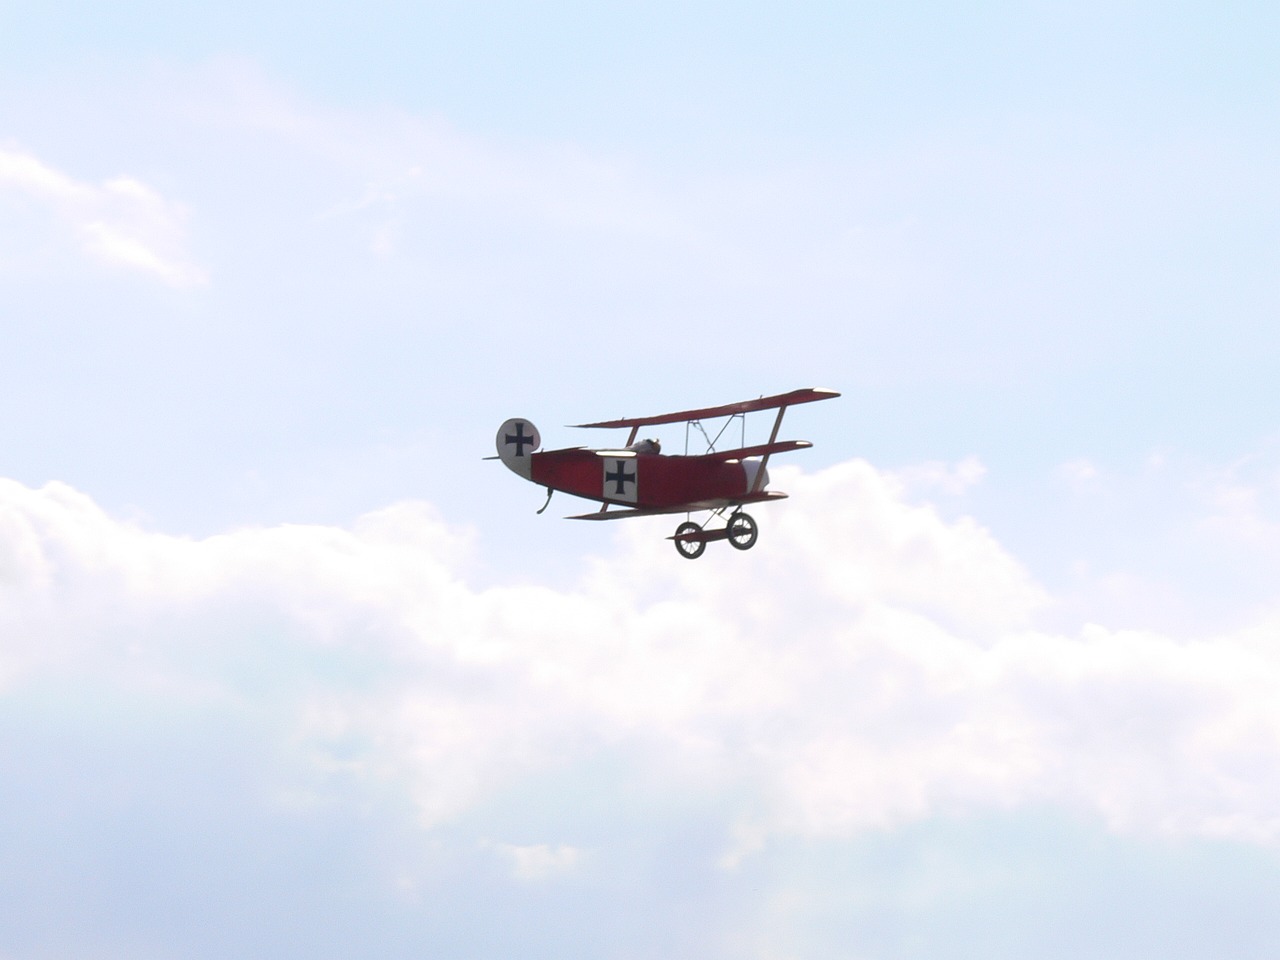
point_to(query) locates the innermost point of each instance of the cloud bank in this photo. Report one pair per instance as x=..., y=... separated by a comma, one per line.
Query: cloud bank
x=869, y=664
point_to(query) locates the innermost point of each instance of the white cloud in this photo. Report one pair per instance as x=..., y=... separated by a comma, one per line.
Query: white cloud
x=560, y=220
x=868, y=664
x=537, y=861
x=1240, y=500
x=26, y=172
x=1080, y=473
x=120, y=222
x=951, y=479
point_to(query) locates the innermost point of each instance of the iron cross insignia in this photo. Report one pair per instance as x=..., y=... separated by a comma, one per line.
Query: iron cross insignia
x=620, y=480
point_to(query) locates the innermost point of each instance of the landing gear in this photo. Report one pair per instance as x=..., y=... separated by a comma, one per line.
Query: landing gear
x=740, y=530
x=689, y=549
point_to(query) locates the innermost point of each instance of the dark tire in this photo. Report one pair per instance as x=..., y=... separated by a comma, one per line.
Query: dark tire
x=742, y=531
x=690, y=549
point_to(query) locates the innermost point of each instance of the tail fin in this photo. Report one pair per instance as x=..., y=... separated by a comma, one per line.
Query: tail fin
x=517, y=440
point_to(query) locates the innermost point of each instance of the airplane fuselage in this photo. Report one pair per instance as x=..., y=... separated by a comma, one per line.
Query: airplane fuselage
x=645, y=481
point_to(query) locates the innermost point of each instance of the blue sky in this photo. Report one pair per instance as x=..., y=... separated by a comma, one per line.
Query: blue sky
x=286, y=668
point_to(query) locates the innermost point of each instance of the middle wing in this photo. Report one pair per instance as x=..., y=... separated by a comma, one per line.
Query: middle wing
x=760, y=450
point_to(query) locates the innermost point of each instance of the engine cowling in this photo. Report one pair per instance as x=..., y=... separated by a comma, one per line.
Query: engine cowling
x=753, y=469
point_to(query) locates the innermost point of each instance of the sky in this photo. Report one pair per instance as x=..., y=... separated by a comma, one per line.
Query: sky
x=287, y=669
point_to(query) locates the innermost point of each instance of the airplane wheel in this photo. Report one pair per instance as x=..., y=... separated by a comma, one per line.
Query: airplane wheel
x=742, y=531
x=690, y=549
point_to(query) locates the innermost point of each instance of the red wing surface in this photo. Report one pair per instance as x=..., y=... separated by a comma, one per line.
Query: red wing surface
x=760, y=497
x=741, y=453
x=729, y=409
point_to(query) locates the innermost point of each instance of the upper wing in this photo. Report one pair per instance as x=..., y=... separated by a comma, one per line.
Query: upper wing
x=707, y=413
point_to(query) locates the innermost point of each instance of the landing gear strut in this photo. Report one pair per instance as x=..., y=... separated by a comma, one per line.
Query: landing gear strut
x=740, y=530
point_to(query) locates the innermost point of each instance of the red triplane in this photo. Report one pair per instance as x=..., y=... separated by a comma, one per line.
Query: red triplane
x=644, y=481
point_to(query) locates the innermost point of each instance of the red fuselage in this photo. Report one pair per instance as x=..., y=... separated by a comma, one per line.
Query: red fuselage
x=643, y=480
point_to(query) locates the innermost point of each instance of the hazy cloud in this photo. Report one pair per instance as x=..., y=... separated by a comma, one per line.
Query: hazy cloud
x=537, y=861
x=951, y=479
x=120, y=222
x=1079, y=473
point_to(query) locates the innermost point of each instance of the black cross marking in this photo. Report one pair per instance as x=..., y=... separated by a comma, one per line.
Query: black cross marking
x=621, y=478
x=518, y=438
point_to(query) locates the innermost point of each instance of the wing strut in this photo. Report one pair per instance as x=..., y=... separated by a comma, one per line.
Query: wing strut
x=764, y=462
